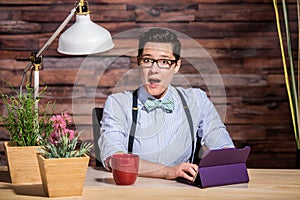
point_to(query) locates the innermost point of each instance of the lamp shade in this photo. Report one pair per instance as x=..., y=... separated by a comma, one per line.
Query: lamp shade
x=84, y=37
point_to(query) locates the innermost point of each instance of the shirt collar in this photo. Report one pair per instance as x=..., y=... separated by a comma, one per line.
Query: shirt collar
x=143, y=94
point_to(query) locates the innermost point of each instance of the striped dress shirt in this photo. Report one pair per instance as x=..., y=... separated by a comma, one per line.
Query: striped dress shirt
x=161, y=137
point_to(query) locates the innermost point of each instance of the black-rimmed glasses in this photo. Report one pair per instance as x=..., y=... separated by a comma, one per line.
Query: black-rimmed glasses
x=161, y=63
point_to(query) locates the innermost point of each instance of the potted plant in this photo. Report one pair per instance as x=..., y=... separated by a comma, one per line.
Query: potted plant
x=63, y=157
x=27, y=127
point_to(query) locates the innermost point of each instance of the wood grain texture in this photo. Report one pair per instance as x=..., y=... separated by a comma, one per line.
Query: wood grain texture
x=238, y=41
x=263, y=184
x=23, y=165
x=56, y=169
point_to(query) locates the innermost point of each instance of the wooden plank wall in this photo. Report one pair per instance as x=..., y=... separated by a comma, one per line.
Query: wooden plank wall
x=240, y=36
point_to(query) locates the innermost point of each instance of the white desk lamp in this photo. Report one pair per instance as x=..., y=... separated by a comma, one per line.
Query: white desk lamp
x=82, y=38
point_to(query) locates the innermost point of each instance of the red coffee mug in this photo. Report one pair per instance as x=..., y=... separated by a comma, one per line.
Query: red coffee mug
x=125, y=168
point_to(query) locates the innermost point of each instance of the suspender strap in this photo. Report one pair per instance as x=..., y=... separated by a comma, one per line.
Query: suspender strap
x=134, y=118
x=189, y=118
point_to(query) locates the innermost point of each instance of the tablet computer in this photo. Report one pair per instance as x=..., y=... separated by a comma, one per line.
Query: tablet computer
x=221, y=167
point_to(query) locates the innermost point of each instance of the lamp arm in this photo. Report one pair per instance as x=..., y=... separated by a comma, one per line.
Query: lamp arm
x=47, y=44
x=57, y=32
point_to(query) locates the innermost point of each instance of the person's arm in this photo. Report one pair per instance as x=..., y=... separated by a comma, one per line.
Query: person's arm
x=155, y=170
x=113, y=137
x=213, y=131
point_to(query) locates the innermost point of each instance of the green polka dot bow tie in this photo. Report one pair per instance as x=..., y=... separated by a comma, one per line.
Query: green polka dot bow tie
x=167, y=104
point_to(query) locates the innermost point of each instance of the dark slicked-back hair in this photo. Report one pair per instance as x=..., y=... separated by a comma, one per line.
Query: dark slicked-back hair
x=160, y=35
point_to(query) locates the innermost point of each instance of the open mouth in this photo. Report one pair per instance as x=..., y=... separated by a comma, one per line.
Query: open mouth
x=154, y=82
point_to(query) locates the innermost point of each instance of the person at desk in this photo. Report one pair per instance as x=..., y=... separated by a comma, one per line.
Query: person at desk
x=162, y=132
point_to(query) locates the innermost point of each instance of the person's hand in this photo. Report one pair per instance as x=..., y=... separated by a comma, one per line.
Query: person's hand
x=108, y=162
x=185, y=170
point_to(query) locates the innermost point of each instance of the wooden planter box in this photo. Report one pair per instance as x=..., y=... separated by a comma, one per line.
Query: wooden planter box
x=63, y=176
x=22, y=164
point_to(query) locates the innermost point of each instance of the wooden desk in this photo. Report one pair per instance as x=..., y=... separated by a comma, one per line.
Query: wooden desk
x=264, y=184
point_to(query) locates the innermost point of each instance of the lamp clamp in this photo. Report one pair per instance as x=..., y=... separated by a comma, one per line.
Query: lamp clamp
x=35, y=60
x=82, y=8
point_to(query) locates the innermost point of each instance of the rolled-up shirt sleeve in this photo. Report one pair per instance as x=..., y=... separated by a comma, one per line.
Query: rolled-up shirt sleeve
x=211, y=128
x=114, y=129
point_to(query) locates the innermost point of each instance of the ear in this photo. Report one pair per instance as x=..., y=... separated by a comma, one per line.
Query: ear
x=177, y=67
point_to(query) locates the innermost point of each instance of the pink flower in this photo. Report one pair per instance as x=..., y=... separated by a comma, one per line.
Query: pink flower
x=60, y=123
x=67, y=117
x=54, y=138
x=71, y=135
x=55, y=118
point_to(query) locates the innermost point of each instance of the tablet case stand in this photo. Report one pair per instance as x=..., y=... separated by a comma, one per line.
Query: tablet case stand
x=222, y=167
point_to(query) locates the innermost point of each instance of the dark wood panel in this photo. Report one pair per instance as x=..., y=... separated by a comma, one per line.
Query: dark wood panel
x=58, y=16
x=235, y=39
x=18, y=27
x=247, y=41
x=123, y=1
